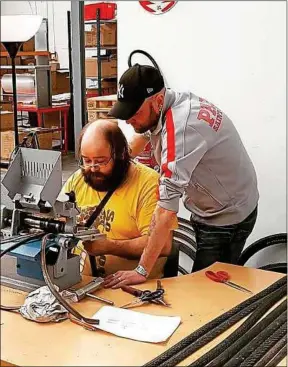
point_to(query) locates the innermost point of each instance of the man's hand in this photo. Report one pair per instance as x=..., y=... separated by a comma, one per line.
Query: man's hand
x=98, y=247
x=121, y=278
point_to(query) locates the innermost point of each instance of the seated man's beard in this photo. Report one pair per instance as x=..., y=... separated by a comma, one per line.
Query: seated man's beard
x=101, y=182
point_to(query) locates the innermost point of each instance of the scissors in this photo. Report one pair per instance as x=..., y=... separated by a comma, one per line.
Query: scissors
x=138, y=293
x=223, y=277
x=145, y=297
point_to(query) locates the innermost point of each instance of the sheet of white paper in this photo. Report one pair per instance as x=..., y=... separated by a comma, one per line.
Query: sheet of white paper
x=136, y=325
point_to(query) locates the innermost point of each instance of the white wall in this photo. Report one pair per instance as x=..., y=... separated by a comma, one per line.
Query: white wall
x=56, y=12
x=232, y=53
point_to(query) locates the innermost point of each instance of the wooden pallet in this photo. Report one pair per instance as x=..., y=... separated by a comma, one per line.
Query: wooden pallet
x=101, y=102
x=94, y=115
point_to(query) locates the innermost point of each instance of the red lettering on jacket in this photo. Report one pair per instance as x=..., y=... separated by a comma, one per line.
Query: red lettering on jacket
x=210, y=114
x=205, y=115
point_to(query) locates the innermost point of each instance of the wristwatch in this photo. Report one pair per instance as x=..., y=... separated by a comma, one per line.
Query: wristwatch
x=141, y=270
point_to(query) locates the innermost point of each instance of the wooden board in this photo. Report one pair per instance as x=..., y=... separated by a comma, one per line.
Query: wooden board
x=193, y=297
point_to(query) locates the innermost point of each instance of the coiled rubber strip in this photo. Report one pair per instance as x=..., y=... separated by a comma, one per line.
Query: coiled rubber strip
x=268, y=301
x=267, y=344
x=279, y=356
x=243, y=334
x=252, y=344
x=253, y=301
x=273, y=352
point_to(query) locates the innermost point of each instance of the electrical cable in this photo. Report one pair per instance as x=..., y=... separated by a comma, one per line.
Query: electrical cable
x=273, y=352
x=83, y=320
x=249, y=304
x=276, y=332
x=225, y=350
x=152, y=61
x=11, y=248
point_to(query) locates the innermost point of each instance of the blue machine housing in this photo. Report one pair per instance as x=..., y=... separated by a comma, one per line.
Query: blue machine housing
x=29, y=257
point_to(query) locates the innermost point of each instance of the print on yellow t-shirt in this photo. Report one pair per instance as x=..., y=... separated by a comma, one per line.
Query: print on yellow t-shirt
x=126, y=215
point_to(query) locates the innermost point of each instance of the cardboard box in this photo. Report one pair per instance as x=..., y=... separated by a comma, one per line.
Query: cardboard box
x=107, y=35
x=29, y=46
x=60, y=82
x=52, y=121
x=7, y=140
x=27, y=60
x=6, y=120
x=90, y=39
x=108, y=67
x=6, y=106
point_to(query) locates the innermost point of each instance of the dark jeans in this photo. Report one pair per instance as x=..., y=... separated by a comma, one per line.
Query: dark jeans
x=223, y=244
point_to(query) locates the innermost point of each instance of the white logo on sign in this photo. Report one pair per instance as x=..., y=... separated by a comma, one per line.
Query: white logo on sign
x=149, y=90
x=120, y=91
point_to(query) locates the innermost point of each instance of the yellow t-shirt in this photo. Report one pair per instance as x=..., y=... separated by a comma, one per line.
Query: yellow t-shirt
x=126, y=215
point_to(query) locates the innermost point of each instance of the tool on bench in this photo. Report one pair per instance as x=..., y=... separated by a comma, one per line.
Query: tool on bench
x=145, y=296
x=90, y=288
x=223, y=277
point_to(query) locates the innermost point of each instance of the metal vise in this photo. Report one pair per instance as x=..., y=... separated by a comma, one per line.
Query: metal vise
x=33, y=181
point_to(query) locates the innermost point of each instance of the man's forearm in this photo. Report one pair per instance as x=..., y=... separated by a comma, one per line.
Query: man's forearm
x=159, y=235
x=137, y=144
x=128, y=249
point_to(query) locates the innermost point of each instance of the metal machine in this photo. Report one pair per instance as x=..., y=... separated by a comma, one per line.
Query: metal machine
x=34, y=181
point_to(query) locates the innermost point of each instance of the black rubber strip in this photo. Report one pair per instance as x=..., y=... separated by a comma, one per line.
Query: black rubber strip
x=243, y=334
x=279, y=357
x=277, y=267
x=267, y=344
x=273, y=352
x=267, y=301
x=254, y=343
x=205, y=329
x=275, y=239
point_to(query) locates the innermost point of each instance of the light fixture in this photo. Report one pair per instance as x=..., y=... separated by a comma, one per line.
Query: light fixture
x=16, y=29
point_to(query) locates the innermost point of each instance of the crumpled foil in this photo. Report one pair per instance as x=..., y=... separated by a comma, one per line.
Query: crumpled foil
x=41, y=306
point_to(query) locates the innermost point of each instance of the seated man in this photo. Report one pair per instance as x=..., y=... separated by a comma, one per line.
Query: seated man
x=106, y=165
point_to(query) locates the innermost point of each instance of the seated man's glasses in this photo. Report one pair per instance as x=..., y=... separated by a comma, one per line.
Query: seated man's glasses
x=86, y=163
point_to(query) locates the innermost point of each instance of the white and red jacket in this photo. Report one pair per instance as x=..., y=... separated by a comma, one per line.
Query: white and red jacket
x=203, y=159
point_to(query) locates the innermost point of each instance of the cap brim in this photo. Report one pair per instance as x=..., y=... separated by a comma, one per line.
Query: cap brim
x=124, y=110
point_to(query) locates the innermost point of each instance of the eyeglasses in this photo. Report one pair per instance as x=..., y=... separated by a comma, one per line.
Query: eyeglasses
x=85, y=165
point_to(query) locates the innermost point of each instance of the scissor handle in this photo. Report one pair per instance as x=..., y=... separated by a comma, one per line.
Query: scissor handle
x=134, y=291
x=150, y=296
x=224, y=275
x=219, y=277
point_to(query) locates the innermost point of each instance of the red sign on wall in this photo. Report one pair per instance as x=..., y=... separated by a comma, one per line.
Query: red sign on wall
x=157, y=7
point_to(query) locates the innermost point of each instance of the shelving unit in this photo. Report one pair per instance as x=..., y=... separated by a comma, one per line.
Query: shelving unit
x=97, y=22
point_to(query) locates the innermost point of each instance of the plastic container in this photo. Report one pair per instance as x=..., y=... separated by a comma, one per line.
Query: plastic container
x=107, y=11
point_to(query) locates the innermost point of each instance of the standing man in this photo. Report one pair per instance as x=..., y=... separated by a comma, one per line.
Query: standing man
x=202, y=159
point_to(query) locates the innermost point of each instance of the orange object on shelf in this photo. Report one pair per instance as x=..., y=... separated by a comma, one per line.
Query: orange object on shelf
x=27, y=53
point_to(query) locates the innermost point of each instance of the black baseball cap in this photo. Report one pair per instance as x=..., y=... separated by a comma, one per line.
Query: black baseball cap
x=135, y=85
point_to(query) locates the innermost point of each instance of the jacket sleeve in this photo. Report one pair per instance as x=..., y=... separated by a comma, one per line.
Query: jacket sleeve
x=182, y=149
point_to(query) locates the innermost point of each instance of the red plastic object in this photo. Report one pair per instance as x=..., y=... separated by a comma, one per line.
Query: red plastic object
x=147, y=158
x=107, y=11
x=219, y=277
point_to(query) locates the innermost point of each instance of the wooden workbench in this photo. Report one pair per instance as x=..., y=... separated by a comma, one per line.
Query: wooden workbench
x=193, y=297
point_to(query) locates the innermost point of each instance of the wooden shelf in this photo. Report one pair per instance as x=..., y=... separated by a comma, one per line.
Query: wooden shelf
x=27, y=53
